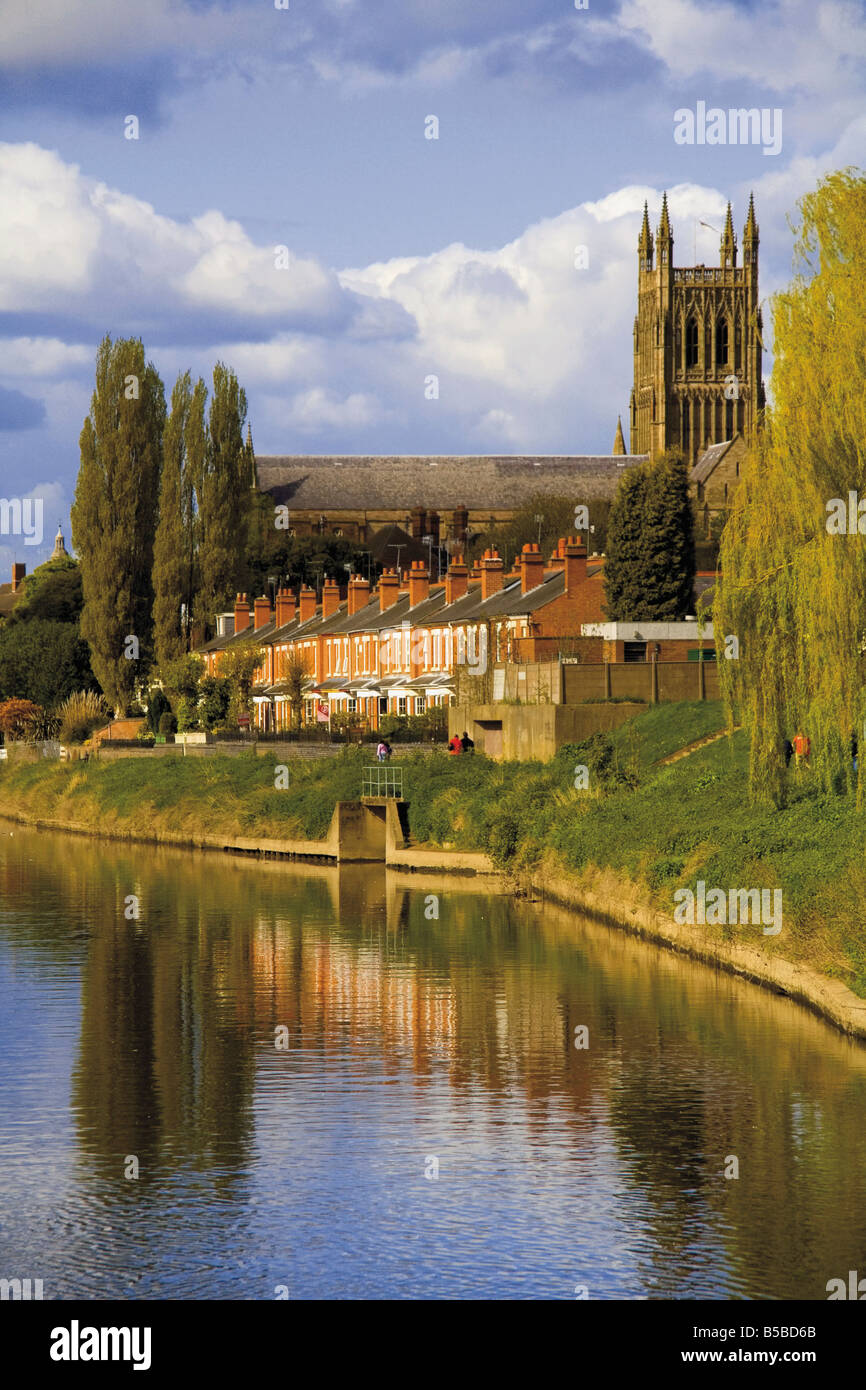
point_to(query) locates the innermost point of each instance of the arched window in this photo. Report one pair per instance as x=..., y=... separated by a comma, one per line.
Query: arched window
x=692, y=343
x=722, y=343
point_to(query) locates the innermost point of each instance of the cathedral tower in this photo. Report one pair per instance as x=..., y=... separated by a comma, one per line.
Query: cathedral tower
x=697, y=344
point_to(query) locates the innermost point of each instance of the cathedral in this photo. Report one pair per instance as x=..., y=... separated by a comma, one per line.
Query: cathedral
x=697, y=388
x=697, y=345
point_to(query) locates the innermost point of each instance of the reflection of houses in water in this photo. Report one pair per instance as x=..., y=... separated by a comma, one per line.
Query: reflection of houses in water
x=359, y=988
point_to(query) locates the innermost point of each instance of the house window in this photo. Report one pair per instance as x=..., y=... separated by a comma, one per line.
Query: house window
x=383, y=704
x=352, y=706
x=634, y=651
x=401, y=704
x=420, y=704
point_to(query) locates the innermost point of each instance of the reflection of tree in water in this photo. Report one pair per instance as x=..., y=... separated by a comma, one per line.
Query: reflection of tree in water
x=179, y=1011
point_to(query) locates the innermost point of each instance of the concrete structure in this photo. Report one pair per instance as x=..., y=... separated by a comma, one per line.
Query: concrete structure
x=526, y=732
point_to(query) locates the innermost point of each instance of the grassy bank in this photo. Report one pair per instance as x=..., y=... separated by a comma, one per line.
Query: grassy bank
x=663, y=827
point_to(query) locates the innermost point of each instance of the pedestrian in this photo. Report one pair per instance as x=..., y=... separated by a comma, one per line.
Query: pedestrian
x=802, y=746
x=455, y=747
x=854, y=750
x=382, y=751
x=388, y=750
x=466, y=743
x=789, y=752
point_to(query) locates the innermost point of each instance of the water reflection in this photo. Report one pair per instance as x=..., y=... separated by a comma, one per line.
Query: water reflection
x=416, y=1019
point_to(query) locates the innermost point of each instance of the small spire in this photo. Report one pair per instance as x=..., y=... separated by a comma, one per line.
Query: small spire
x=59, y=544
x=645, y=240
x=750, y=232
x=729, y=241
x=618, y=440
x=664, y=225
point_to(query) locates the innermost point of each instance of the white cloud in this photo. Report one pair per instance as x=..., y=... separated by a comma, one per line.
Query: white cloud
x=773, y=45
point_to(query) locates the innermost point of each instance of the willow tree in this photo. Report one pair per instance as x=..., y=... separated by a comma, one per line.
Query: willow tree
x=792, y=588
x=114, y=514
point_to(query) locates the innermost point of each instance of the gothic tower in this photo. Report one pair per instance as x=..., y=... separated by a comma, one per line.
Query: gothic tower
x=697, y=344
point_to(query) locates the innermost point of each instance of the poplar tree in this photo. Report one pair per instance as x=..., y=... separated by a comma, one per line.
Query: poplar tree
x=792, y=588
x=171, y=546
x=223, y=495
x=114, y=514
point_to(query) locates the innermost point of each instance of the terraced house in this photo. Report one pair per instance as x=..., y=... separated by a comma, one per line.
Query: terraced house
x=409, y=644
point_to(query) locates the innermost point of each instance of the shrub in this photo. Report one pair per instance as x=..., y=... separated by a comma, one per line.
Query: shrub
x=17, y=718
x=167, y=723
x=81, y=713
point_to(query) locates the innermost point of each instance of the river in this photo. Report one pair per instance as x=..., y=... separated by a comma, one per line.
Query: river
x=296, y=1080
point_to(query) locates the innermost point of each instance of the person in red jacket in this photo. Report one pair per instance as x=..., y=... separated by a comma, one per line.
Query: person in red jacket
x=455, y=747
x=802, y=747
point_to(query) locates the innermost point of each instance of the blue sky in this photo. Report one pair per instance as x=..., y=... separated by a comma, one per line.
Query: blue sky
x=407, y=256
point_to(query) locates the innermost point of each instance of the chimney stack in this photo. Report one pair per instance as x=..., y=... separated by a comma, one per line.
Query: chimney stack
x=491, y=573
x=557, y=559
x=330, y=598
x=460, y=523
x=307, y=601
x=359, y=593
x=531, y=568
x=575, y=563
x=456, y=580
x=285, y=607
x=261, y=612
x=242, y=613
x=419, y=583
x=389, y=589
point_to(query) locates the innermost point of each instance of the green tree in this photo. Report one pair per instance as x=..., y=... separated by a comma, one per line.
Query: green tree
x=174, y=545
x=43, y=661
x=650, y=569
x=224, y=490
x=792, y=587
x=238, y=668
x=114, y=513
x=52, y=592
x=624, y=567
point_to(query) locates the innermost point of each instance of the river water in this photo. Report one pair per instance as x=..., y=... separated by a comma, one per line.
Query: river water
x=352, y=1084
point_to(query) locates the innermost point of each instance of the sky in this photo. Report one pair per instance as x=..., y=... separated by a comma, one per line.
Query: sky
x=285, y=209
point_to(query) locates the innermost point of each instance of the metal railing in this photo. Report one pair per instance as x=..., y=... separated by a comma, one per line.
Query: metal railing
x=382, y=781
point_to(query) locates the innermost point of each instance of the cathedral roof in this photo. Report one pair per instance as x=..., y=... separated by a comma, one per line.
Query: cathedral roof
x=358, y=482
x=708, y=461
